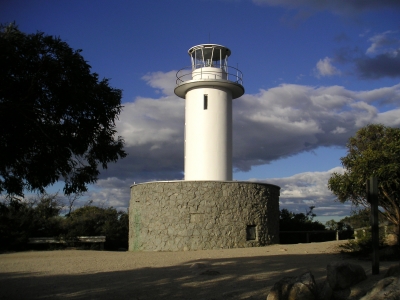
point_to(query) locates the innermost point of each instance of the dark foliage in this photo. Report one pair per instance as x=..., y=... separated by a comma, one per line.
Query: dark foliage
x=97, y=221
x=345, y=229
x=57, y=119
x=297, y=222
x=360, y=247
x=290, y=221
x=358, y=219
x=361, y=218
x=22, y=219
x=333, y=225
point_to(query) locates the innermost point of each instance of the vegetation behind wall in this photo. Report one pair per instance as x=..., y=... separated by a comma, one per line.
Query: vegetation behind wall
x=21, y=219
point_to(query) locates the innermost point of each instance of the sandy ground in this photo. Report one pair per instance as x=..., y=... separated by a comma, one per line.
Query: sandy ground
x=246, y=273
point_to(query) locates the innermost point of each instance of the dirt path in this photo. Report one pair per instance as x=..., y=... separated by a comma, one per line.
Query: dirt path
x=246, y=273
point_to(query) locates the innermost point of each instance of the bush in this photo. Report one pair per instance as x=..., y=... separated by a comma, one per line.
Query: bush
x=97, y=221
x=359, y=247
x=21, y=219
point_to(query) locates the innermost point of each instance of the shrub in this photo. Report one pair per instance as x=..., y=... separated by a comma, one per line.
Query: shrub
x=21, y=219
x=362, y=247
x=97, y=221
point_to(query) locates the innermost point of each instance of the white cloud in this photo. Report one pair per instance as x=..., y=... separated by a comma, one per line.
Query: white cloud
x=273, y=124
x=385, y=95
x=289, y=119
x=380, y=43
x=300, y=191
x=165, y=82
x=324, y=68
x=153, y=121
x=390, y=118
x=111, y=191
x=304, y=186
x=339, y=130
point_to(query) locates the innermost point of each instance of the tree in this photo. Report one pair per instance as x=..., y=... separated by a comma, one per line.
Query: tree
x=373, y=151
x=361, y=218
x=289, y=221
x=57, y=119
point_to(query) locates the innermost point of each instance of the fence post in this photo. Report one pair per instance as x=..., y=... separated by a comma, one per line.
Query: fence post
x=372, y=197
x=337, y=235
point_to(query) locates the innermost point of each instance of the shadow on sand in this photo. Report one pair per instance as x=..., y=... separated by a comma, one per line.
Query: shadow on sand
x=222, y=278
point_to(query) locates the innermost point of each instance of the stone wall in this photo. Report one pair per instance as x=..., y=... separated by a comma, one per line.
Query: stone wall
x=194, y=215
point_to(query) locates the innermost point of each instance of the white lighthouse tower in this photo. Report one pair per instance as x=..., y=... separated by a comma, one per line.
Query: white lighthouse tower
x=208, y=86
x=213, y=203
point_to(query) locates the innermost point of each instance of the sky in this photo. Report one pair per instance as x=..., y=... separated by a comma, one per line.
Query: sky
x=314, y=72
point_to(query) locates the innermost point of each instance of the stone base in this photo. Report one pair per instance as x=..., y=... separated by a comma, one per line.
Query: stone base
x=194, y=215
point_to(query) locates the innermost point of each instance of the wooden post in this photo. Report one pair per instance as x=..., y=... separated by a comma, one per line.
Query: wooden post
x=372, y=197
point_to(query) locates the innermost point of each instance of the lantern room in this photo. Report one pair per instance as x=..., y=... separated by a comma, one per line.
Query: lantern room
x=209, y=55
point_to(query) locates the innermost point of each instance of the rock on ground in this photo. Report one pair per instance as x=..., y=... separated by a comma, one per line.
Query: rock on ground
x=302, y=287
x=342, y=275
x=393, y=271
x=387, y=288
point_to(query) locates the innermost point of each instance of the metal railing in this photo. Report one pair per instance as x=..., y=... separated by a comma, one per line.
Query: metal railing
x=71, y=241
x=324, y=235
x=226, y=73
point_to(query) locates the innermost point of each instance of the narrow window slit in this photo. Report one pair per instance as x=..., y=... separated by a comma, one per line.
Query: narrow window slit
x=205, y=102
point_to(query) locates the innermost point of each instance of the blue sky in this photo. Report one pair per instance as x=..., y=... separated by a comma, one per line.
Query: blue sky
x=314, y=72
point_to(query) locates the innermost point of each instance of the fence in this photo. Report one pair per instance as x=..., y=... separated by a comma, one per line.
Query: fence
x=78, y=240
x=296, y=237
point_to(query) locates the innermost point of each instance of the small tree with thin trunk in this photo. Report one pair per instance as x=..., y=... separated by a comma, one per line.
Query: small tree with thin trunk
x=373, y=151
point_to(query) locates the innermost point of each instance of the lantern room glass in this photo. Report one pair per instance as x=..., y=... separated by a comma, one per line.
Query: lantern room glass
x=212, y=56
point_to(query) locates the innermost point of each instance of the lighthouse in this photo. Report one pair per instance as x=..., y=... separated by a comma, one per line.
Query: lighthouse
x=208, y=86
x=206, y=210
